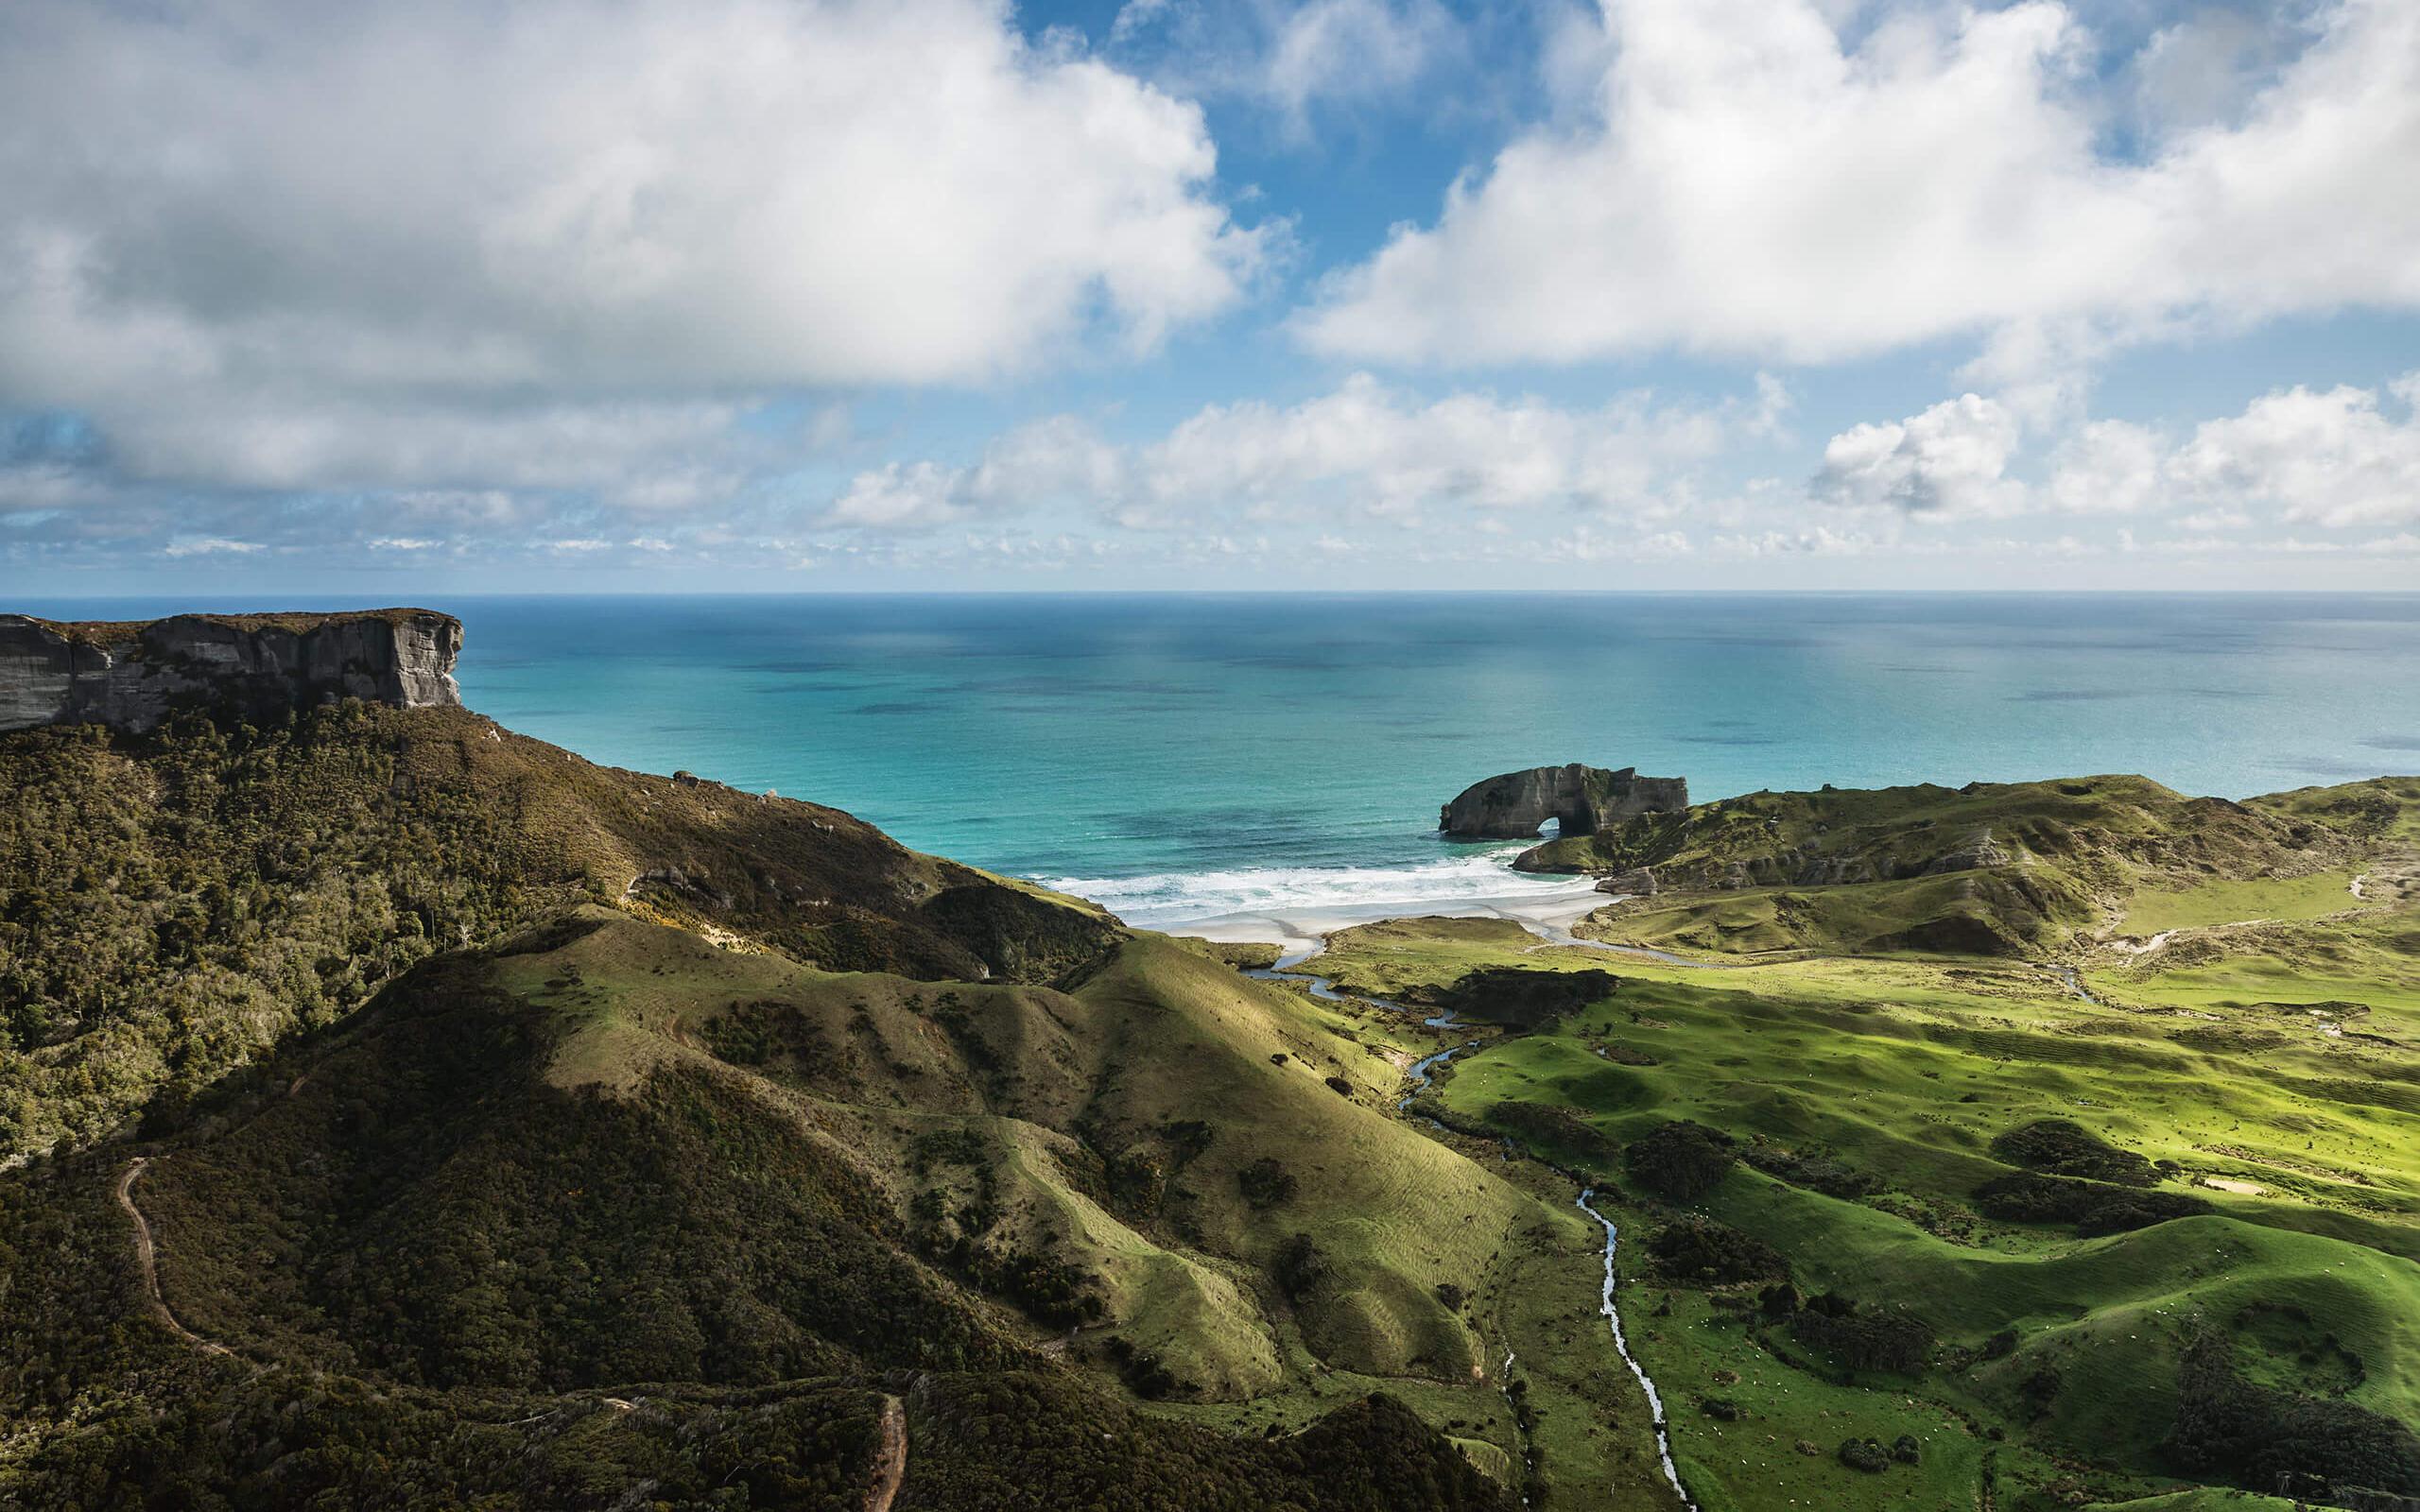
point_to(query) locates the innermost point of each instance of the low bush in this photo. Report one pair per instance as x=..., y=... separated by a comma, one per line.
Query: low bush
x=1680, y=1161
x=1701, y=1252
x=1864, y=1338
x=2053, y=1146
x=2095, y=1208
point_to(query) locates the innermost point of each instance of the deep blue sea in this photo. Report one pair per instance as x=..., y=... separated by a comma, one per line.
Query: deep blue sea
x=1177, y=755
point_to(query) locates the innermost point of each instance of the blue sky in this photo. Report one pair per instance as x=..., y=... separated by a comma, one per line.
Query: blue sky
x=778, y=295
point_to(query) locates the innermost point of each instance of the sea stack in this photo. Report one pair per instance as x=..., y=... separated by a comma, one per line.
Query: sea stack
x=130, y=675
x=1582, y=799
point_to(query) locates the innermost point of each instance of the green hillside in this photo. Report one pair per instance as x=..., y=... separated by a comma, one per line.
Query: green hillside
x=1991, y=868
x=403, y=1114
x=622, y=1130
x=172, y=906
x=2073, y=1232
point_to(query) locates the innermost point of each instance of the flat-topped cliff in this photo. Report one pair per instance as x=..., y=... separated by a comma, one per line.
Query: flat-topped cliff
x=130, y=674
x=1582, y=799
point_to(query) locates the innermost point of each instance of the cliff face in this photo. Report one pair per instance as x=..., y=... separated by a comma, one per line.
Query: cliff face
x=1583, y=798
x=130, y=675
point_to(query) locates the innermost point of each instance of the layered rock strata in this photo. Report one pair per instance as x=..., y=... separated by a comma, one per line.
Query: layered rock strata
x=130, y=675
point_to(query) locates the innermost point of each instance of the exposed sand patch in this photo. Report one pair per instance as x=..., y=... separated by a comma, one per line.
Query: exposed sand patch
x=1302, y=928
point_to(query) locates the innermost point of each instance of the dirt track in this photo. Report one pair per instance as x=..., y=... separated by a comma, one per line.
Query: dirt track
x=890, y=1460
x=148, y=1257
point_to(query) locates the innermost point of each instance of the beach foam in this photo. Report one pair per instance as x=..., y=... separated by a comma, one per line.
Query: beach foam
x=1291, y=904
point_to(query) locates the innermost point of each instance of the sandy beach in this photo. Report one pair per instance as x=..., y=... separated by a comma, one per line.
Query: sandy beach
x=1301, y=928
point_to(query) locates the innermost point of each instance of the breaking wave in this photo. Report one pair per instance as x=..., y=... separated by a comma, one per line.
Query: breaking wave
x=1166, y=898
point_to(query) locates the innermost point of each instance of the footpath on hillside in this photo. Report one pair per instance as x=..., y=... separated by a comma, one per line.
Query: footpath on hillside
x=146, y=1255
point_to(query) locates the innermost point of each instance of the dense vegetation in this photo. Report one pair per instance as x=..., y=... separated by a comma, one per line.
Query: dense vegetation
x=171, y=907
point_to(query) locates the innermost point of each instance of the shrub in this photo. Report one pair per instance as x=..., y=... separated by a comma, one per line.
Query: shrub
x=1302, y=1268
x=2054, y=1146
x=1682, y=1160
x=2258, y=1438
x=1700, y=1251
x=1815, y=1171
x=1523, y=999
x=2095, y=1208
x=1864, y=1338
x=1865, y=1455
x=1265, y=1184
x=1551, y=1128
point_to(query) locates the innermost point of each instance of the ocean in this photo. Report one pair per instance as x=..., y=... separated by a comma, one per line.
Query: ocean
x=1179, y=756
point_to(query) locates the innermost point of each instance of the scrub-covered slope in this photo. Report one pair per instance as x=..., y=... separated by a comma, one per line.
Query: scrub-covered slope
x=509, y=1127
x=172, y=904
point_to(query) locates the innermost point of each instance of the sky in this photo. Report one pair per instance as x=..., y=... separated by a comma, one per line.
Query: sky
x=827, y=295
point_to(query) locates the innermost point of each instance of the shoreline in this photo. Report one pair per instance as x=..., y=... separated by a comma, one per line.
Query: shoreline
x=1305, y=926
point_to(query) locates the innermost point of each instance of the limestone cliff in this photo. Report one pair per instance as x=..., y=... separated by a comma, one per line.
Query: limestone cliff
x=1582, y=799
x=130, y=675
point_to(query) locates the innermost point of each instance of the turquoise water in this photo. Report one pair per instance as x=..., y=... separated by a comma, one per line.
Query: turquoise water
x=1181, y=755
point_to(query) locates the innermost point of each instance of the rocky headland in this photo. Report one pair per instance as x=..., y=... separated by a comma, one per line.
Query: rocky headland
x=1581, y=800
x=130, y=675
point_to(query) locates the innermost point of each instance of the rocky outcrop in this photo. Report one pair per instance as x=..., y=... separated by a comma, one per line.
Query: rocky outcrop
x=130, y=675
x=1980, y=851
x=1638, y=882
x=1582, y=799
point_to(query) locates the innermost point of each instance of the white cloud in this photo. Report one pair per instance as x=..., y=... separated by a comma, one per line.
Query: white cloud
x=2333, y=459
x=1949, y=463
x=1290, y=57
x=268, y=242
x=642, y=454
x=209, y=546
x=1820, y=541
x=2108, y=467
x=1352, y=49
x=1364, y=447
x=2336, y=459
x=1750, y=184
x=1058, y=458
x=1382, y=451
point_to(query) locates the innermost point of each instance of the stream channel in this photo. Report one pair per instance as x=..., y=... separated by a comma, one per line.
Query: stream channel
x=1326, y=990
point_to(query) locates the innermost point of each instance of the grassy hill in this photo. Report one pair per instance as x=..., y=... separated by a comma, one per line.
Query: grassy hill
x=672, y=1124
x=403, y=1114
x=2072, y=1237
x=172, y=906
x=1991, y=868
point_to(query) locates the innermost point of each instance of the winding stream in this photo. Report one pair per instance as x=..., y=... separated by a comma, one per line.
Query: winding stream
x=1325, y=989
x=1621, y=1346
x=1419, y=1072
x=2073, y=981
